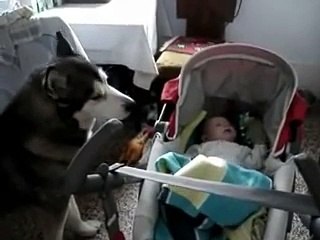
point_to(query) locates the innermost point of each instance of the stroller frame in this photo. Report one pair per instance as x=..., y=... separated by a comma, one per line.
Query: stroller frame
x=107, y=178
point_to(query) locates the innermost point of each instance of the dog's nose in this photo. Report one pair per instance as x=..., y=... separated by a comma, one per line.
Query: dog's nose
x=130, y=106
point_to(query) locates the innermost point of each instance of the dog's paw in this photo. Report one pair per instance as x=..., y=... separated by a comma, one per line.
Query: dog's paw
x=88, y=228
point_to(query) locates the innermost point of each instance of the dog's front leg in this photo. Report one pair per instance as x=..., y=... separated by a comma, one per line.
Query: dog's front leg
x=77, y=225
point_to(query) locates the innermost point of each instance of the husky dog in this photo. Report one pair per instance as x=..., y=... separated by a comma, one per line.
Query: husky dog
x=41, y=130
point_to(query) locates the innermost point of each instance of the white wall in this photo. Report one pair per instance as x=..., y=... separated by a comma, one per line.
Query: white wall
x=289, y=27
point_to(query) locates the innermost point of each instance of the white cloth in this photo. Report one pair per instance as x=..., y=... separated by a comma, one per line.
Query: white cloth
x=119, y=32
x=255, y=158
x=23, y=52
x=19, y=25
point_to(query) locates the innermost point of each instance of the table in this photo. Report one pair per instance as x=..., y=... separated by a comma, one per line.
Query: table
x=119, y=32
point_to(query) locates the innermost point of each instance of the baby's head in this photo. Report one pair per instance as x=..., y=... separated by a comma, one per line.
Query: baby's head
x=218, y=128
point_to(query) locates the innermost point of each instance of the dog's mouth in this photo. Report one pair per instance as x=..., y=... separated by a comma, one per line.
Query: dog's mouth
x=136, y=120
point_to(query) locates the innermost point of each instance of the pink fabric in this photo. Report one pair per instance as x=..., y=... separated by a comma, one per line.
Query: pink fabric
x=170, y=95
x=297, y=113
x=119, y=236
x=170, y=91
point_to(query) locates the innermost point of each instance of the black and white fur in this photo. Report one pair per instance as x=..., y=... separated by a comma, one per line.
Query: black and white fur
x=40, y=131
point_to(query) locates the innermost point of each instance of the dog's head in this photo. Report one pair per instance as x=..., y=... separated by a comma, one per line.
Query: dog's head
x=81, y=89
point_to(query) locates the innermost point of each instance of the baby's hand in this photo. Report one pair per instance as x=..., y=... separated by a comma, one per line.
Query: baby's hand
x=271, y=165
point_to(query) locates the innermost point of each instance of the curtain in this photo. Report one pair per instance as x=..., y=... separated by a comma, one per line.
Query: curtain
x=168, y=24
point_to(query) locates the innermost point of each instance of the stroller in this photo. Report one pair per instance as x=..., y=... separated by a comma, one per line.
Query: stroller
x=253, y=79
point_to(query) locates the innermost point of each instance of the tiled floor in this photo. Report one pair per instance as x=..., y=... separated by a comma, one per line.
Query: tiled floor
x=127, y=200
x=127, y=196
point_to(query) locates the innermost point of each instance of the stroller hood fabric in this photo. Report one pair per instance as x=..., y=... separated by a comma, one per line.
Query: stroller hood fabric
x=242, y=73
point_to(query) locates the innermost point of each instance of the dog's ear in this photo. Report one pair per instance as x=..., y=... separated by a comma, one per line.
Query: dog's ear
x=64, y=48
x=55, y=83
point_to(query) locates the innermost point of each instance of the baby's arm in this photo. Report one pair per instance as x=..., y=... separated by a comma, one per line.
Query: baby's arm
x=259, y=159
x=271, y=165
x=254, y=158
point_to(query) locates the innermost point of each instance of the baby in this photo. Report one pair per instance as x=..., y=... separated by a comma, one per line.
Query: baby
x=218, y=139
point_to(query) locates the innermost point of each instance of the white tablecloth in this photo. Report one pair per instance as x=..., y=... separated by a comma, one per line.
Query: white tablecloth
x=119, y=32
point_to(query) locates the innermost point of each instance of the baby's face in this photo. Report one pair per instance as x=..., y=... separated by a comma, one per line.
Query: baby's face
x=219, y=128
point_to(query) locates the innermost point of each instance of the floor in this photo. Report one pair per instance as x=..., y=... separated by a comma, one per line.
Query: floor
x=127, y=196
x=311, y=146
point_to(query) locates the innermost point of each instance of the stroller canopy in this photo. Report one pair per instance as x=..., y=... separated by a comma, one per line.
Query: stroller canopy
x=242, y=73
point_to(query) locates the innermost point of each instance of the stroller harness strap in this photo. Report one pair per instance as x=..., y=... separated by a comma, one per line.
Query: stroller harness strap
x=292, y=202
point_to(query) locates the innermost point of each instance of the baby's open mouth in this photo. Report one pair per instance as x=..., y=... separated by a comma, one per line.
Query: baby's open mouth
x=228, y=130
